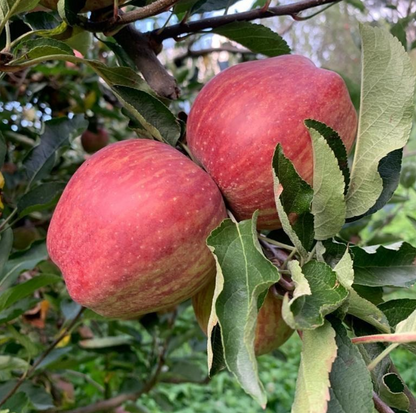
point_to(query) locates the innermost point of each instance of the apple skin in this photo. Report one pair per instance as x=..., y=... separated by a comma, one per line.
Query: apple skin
x=240, y=116
x=129, y=230
x=90, y=5
x=93, y=142
x=271, y=330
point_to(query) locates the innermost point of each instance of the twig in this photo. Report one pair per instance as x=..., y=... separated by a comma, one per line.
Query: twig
x=292, y=9
x=64, y=332
x=277, y=243
x=118, y=21
x=203, y=52
x=142, y=50
x=380, y=406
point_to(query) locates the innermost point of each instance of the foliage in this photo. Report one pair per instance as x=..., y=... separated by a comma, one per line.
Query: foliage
x=346, y=258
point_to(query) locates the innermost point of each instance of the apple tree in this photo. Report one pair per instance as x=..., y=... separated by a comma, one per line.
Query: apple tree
x=138, y=199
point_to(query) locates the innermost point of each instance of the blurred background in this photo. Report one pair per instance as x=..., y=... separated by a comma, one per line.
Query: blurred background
x=101, y=358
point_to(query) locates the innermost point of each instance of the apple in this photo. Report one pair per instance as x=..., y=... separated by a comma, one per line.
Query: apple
x=90, y=5
x=271, y=330
x=94, y=141
x=241, y=115
x=129, y=231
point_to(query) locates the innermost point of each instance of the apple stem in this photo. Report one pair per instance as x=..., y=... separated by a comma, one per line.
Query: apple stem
x=231, y=216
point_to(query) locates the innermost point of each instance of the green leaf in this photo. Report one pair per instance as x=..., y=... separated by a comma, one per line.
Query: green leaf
x=6, y=244
x=398, y=310
x=104, y=342
x=256, y=37
x=319, y=351
x=44, y=47
x=23, y=340
x=408, y=325
x=392, y=392
x=399, y=29
x=317, y=294
x=293, y=196
x=389, y=170
x=23, y=261
x=119, y=76
x=358, y=4
x=386, y=112
x=58, y=133
x=367, y=311
x=80, y=40
x=408, y=176
x=9, y=8
x=328, y=204
x=42, y=197
x=381, y=266
x=243, y=278
x=336, y=144
x=204, y=6
x=152, y=114
x=351, y=386
x=45, y=22
x=344, y=270
x=3, y=149
x=19, y=403
x=10, y=296
x=68, y=10
x=53, y=357
x=17, y=309
x=359, y=306
x=12, y=363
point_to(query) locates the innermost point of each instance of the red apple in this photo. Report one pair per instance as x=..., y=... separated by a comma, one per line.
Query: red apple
x=94, y=141
x=271, y=330
x=240, y=116
x=90, y=5
x=129, y=230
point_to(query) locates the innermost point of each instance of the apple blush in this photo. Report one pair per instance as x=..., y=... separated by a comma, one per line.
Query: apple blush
x=241, y=115
x=129, y=230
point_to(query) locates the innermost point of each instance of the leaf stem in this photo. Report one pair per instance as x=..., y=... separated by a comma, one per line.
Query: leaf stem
x=8, y=36
x=290, y=256
x=381, y=356
x=277, y=243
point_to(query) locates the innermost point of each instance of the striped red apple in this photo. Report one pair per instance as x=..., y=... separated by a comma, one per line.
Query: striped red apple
x=240, y=116
x=129, y=230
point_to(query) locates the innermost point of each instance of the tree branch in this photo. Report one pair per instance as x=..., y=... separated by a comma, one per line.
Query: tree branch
x=292, y=9
x=117, y=21
x=142, y=51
